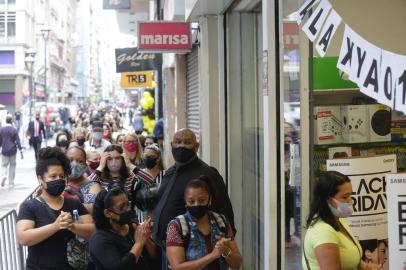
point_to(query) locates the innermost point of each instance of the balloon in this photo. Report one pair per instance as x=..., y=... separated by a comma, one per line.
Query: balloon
x=144, y=103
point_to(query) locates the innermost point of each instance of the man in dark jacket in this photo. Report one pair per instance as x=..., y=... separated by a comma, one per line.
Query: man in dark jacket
x=9, y=142
x=171, y=193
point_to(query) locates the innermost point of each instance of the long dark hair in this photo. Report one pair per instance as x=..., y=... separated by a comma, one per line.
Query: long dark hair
x=124, y=172
x=325, y=188
x=104, y=200
x=204, y=182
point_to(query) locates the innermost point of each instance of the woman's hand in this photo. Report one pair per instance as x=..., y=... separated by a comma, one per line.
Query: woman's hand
x=142, y=233
x=127, y=161
x=66, y=221
x=63, y=221
x=103, y=161
x=223, y=245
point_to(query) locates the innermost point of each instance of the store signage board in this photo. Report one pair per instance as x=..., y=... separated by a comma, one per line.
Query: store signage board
x=396, y=193
x=369, y=221
x=142, y=79
x=116, y=4
x=130, y=59
x=164, y=37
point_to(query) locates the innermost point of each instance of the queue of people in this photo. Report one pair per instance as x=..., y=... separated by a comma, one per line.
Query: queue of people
x=92, y=187
x=108, y=196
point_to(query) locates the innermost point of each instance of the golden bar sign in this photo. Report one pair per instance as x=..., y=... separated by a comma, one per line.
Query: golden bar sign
x=141, y=79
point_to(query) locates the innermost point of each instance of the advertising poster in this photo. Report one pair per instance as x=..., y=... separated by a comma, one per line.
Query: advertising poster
x=396, y=192
x=369, y=222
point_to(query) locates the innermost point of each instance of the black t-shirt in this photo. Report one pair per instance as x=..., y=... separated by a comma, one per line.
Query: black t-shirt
x=111, y=251
x=50, y=254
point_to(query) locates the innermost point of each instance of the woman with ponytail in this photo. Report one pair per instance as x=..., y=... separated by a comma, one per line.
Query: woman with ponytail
x=119, y=243
x=201, y=238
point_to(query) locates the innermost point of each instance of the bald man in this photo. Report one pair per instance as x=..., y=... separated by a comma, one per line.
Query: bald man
x=187, y=167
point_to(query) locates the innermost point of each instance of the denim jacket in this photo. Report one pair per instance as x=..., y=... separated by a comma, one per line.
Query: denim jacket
x=196, y=248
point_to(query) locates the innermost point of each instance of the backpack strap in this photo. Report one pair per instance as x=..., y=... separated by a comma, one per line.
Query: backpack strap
x=184, y=225
x=220, y=221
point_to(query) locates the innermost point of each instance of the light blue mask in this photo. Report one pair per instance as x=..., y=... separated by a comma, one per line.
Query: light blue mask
x=97, y=136
x=343, y=210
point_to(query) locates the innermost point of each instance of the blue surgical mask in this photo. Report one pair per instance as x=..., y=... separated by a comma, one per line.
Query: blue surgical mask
x=97, y=135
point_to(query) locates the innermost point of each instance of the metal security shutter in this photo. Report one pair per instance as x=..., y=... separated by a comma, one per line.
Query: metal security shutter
x=192, y=92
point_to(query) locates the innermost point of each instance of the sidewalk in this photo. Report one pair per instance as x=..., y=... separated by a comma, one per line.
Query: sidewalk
x=25, y=182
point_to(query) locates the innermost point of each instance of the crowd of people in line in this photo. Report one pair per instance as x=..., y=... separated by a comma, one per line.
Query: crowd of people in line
x=105, y=201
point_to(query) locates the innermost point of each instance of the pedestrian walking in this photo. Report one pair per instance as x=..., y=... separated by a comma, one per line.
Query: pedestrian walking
x=9, y=143
x=171, y=201
x=35, y=133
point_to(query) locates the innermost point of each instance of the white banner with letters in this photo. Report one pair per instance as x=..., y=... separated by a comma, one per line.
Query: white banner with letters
x=380, y=75
x=396, y=192
x=369, y=220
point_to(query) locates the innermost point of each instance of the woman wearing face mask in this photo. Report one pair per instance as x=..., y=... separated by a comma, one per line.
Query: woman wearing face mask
x=45, y=223
x=118, y=243
x=112, y=171
x=92, y=161
x=62, y=142
x=132, y=149
x=78, y=186
x=329, y=243
x=152, y=161
x=79, y=135
x=201, y=238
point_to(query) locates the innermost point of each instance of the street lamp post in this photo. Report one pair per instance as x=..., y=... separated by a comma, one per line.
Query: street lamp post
x=29, y=63
x=45, y=34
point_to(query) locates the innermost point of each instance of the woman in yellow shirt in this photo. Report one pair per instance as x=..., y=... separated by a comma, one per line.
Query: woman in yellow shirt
x=329, y=242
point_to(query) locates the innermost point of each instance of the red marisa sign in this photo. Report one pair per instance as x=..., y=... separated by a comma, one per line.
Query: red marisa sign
x=164, y=36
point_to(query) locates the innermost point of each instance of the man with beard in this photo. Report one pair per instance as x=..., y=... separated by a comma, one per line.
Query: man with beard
x=171, y=193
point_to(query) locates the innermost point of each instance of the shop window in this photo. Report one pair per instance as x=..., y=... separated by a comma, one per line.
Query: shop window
x=6, y=57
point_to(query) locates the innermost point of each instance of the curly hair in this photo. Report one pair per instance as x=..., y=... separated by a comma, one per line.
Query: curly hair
x=326, y=187
x=104, y=200
x=51, y=156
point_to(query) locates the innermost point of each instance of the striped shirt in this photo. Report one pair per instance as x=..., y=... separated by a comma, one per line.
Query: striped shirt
x=127, y=184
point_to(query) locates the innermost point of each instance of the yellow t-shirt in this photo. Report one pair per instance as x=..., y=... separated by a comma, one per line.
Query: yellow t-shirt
x=323, y=233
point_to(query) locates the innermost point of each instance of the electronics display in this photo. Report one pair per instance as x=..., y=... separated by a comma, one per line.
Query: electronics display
x=327, y=125
x=398, y=127
x=355, y=123
x=380, y=123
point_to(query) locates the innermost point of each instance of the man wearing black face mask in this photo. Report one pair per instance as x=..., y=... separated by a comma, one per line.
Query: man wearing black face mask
x=35, y=133
x=171, y=193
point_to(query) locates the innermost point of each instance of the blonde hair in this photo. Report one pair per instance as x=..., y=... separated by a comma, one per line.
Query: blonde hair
x=138, y=157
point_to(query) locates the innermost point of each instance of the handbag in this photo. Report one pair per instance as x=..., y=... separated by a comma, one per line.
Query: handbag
x=77, y=251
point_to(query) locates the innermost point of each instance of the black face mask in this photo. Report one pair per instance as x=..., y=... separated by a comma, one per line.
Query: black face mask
x=63, y=143
x=183, y=154
x=149, y=162
x=197, y=211
x=56, y=187
x=81, y=141
x=125, y=218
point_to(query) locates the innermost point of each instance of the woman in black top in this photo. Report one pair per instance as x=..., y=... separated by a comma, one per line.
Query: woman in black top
x=45, y=223
x=119, y=244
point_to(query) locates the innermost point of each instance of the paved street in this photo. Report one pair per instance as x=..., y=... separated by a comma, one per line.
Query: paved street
x=25, y=183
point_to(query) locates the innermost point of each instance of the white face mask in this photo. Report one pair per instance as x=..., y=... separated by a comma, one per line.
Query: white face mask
x=114, y=165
